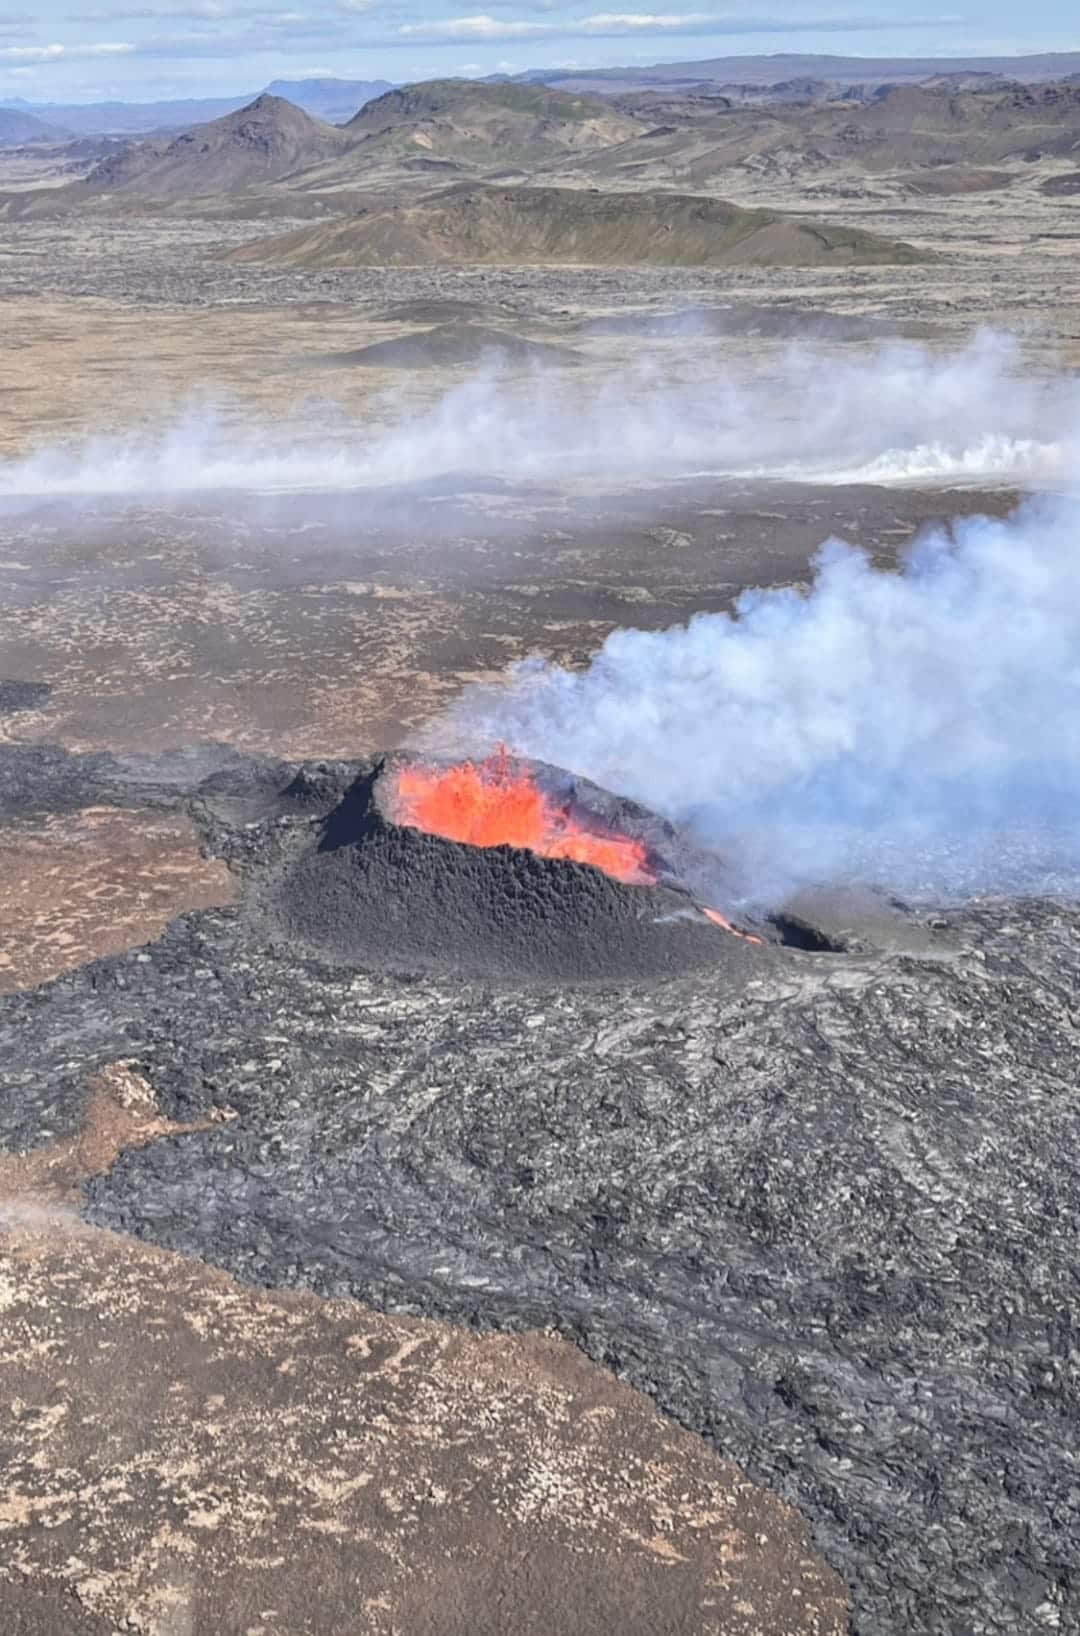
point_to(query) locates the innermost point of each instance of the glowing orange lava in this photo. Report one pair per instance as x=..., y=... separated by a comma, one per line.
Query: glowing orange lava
x=722, y=920
x=489, y=804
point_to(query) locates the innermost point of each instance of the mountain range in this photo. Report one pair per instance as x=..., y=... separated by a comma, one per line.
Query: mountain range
x=775, y=78
x=280, y=160
x=332, y=100
x=442, y=129
x=505, y=171
x=836, y=72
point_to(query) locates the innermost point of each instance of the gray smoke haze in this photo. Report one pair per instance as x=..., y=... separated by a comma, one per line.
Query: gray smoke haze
x=919, y=729
x=898, y=413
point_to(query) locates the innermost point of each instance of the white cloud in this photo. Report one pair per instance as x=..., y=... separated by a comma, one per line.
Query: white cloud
x=473, y=28
x=607, y=24
x=617, y=19
x=401, y=39
x=62, y=53
x=205, y=11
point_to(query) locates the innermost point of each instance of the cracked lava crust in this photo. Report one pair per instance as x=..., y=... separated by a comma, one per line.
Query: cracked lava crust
x=824, y=1208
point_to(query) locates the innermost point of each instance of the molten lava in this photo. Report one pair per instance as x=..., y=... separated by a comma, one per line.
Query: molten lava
x=491, y=804
x=722, y=920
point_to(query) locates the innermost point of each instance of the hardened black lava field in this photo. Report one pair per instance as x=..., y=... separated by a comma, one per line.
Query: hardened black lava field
x=862, y=1292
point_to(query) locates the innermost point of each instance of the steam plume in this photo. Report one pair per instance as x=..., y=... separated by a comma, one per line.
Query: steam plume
x=900, y=413
x=919, y=729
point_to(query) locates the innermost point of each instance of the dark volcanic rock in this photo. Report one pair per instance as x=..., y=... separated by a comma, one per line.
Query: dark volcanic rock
x=453, y=344
x=827, y=1215
x=15, y=695
x=366, y=891
x=44, y=778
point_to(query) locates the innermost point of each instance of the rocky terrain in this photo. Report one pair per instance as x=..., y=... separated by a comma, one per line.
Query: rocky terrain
x=467, y=124
x=403, y=1235
x=904, y=139
x=380, y=1132
x=439, y=128
x=261, y=143
x=388, y=172
x=549, y=226
x=820, y=1206
x=318, y=1466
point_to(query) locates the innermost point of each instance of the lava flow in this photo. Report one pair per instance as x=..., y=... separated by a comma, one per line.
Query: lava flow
x=490, y=804
x=728, y=926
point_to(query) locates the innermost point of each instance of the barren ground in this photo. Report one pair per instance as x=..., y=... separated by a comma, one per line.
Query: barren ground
x=183, y=1454
x=188, y=1454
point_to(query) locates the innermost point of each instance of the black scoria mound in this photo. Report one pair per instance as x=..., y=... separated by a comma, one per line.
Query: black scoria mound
x=365, y=891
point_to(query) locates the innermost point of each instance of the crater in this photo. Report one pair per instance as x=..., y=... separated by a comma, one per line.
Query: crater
x=365, y=886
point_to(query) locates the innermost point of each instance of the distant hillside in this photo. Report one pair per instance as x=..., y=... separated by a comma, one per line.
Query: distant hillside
x=271, y=155
x=565, y=226
x=903, y=130
x=451, y=345
x=484, y=125
x=273, y=159
x=132, y=118
x=18, y=127
x=1014, y=121
x=261, y=143
x=332, y=100
x=842, y=71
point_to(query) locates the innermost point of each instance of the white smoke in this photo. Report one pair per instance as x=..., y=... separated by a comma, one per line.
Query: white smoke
x=918, y=729
x=900, y=413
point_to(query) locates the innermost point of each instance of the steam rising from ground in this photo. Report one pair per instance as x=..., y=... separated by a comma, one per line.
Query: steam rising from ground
x=897, y=414
x=920, y=729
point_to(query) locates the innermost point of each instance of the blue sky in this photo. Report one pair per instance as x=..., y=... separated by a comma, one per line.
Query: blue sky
x=141, y=49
